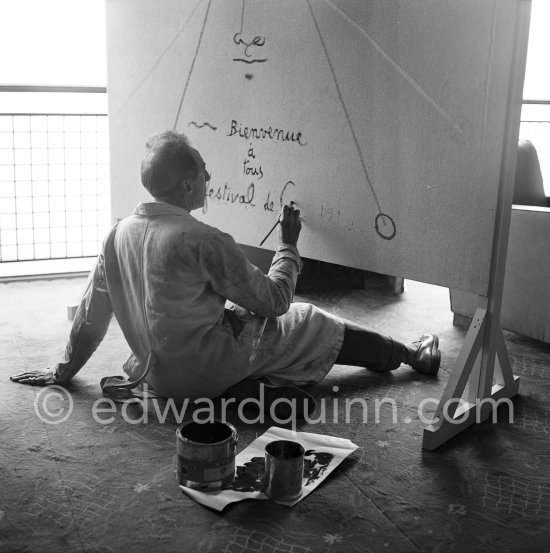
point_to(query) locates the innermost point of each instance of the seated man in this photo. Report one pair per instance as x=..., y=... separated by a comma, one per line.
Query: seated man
x=167, y=278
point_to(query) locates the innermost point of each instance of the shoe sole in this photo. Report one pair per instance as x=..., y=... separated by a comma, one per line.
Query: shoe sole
x=436, y=356
x=436, y=363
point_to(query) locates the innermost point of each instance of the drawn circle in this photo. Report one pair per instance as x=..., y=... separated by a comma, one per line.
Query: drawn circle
x=385, y=227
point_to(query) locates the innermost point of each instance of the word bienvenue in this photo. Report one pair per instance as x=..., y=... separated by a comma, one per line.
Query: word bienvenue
x=265, y=133
x=252, y=167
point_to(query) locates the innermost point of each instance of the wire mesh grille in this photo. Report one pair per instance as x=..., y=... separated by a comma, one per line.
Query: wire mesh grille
x=54, y=186
x=54, y=183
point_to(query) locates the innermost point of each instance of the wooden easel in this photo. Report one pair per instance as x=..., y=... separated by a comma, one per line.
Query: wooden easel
x=483, y=362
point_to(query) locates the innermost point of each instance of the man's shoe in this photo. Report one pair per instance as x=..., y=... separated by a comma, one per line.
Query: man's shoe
x=427, y=358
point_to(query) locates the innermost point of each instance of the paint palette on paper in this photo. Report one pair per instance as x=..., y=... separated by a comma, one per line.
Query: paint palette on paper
x=322, y=455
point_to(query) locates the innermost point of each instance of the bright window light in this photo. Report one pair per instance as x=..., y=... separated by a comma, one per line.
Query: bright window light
x=53, y=42
x=537, y=75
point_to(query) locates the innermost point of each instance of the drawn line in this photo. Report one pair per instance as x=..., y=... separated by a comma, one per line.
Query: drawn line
x=401, y=71
x=339, y=92
x=193, y=62
x=242, y=18
x=249, y=61
x=205, y=124
x=159, y=59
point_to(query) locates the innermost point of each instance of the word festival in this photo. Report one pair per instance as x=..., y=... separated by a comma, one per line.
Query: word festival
x=225, y=194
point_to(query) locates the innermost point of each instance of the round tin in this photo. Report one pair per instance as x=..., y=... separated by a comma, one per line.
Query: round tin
x=206, y=454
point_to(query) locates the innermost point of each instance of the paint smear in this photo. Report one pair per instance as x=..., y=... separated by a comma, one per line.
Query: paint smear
x=250, y=475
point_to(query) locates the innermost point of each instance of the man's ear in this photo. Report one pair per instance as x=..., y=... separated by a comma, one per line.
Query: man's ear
x=187, y=185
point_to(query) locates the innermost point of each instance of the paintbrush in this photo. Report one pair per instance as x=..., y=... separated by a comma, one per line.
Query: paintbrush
x=272, y=229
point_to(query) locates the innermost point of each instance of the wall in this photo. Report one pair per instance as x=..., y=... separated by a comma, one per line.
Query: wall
x=382, y=119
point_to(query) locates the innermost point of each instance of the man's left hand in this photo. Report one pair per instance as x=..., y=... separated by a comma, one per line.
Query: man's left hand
x=35, y=378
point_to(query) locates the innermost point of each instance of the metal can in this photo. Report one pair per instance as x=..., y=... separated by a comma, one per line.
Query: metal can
x=284, y=470
x=206, y=454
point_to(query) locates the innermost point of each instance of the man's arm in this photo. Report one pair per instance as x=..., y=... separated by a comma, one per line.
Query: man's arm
x=90, y=324
x=233, y=277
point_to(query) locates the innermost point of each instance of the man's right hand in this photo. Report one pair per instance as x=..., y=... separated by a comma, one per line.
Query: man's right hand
x=36, y=378
x=291, y=225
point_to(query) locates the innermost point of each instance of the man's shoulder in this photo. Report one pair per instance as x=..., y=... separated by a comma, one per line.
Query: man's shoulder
x=207, y=232
x=173, y=221
x=196, y=230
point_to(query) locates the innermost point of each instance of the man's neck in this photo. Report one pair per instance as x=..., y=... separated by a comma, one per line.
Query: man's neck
x=178, y=202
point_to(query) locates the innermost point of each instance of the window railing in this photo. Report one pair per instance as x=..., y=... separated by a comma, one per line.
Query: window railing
x=54, y=177
x=54, y=182
x=54, y=185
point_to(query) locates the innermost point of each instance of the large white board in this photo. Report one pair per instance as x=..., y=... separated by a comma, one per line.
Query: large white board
x=383, y=120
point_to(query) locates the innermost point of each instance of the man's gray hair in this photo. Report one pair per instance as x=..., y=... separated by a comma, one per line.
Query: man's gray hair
x=168, y=160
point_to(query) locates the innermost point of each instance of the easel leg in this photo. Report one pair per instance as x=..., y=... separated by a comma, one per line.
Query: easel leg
x=453, y=414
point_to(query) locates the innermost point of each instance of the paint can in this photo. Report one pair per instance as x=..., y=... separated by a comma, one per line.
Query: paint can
x=206, y=454
x=284, y=470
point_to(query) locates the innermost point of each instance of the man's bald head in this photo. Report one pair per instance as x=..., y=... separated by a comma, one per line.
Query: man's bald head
x=169, y=160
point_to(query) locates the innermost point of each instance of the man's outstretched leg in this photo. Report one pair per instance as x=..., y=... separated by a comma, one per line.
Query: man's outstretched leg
x=365, y=348
x=361, y=347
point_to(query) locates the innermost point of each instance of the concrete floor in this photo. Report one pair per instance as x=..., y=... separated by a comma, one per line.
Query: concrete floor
x=80, y=486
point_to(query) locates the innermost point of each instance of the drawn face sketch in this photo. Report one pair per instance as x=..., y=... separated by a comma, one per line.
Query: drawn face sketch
x=248, y=47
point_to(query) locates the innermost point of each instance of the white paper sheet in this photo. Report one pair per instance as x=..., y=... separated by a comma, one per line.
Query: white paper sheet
x=323, y=455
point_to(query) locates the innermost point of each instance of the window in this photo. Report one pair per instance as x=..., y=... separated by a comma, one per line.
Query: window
x=54, y=184
x=535, y=117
